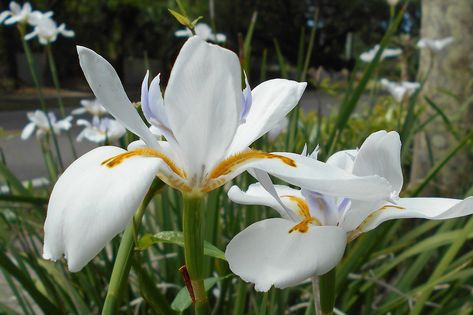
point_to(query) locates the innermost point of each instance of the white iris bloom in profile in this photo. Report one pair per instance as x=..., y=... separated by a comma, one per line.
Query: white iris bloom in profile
x=100, y=130
x=46, y=29
x=19, y=14
x=39, y=122
x=93, y=107
x=310, y=237
x=203, y=31
x=369, y=55
x=281, y=127
x=435, y=45
x=400, y=91
x=208, y=123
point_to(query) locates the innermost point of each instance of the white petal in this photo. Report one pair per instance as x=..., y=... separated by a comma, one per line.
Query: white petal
x=203, y=101
x=320, y=177
x=380, y=155
x=4, y=15
x=106, y=85
x=257, y=195
x=425, y=208
x=272, y=100
x=343, y=159
x=266, y=254
x=28, y=130
x=91, y=203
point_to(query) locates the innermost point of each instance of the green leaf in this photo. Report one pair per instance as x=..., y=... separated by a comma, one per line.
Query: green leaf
x=197, y=20
x=12, y=180
x=183, y=300
x=26, y=199
x=176, y=238
x=181, y=18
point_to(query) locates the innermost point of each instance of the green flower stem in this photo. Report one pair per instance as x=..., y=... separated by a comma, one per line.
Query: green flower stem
x=122, y=265
x=193, y=229
x=53, y=69
x=32, y=66
x=327, y=292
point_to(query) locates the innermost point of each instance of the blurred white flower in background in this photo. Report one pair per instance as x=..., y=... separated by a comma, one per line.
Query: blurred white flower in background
x=368, y=56
x=39, y=122
x=435, y=45
x=46, y=29
x=401, y=90
x=100, y=130
x=278, y=129
x=92, y=107
x=19, y=14
x=393, y=2
x=204, y=31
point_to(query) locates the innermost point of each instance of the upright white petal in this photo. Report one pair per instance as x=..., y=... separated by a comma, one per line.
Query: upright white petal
x=424, y=208
x=266, y=254
x=106, y=85
x=343, y=159
x=380, y=155
x=203, y=101
x=272, y=100
x=92, y=203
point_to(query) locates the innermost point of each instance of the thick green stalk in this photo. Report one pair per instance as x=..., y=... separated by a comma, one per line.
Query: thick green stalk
x=53, y=69
x=193, y=229
x=32, y=66
x=327, y=292
x=122, y=265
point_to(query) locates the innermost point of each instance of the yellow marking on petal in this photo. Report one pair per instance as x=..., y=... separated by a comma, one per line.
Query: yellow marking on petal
x=231, y=163
x=213, y=185
x=360, y=229
x=304, y=212
x=147, y=152
x=176, y=183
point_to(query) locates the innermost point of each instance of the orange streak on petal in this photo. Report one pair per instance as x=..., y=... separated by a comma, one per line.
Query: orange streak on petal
x=231, y=163
x=147, y=152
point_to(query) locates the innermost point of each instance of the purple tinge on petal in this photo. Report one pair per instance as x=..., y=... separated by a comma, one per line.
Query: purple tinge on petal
x=246, y=101
x=322, y=206
x=343, y=205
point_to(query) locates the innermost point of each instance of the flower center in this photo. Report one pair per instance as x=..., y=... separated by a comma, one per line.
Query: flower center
x=304, y=212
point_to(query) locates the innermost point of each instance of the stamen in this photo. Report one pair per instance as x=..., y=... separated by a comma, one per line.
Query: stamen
x=229, y=164
x=360, y=229
x=148, y=152
x=304, y=212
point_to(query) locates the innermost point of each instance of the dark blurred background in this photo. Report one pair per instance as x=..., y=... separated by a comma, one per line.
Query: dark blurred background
x=129, y=32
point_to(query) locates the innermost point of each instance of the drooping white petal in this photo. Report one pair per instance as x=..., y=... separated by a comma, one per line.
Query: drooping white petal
x=92, y=203
x=257, y=195
x=319, y=177
x=203, y=101
x=424, y=208
x=28, y=130
x=380, y=155
x=266, y=254
x=106, y=85
x=272, y=100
